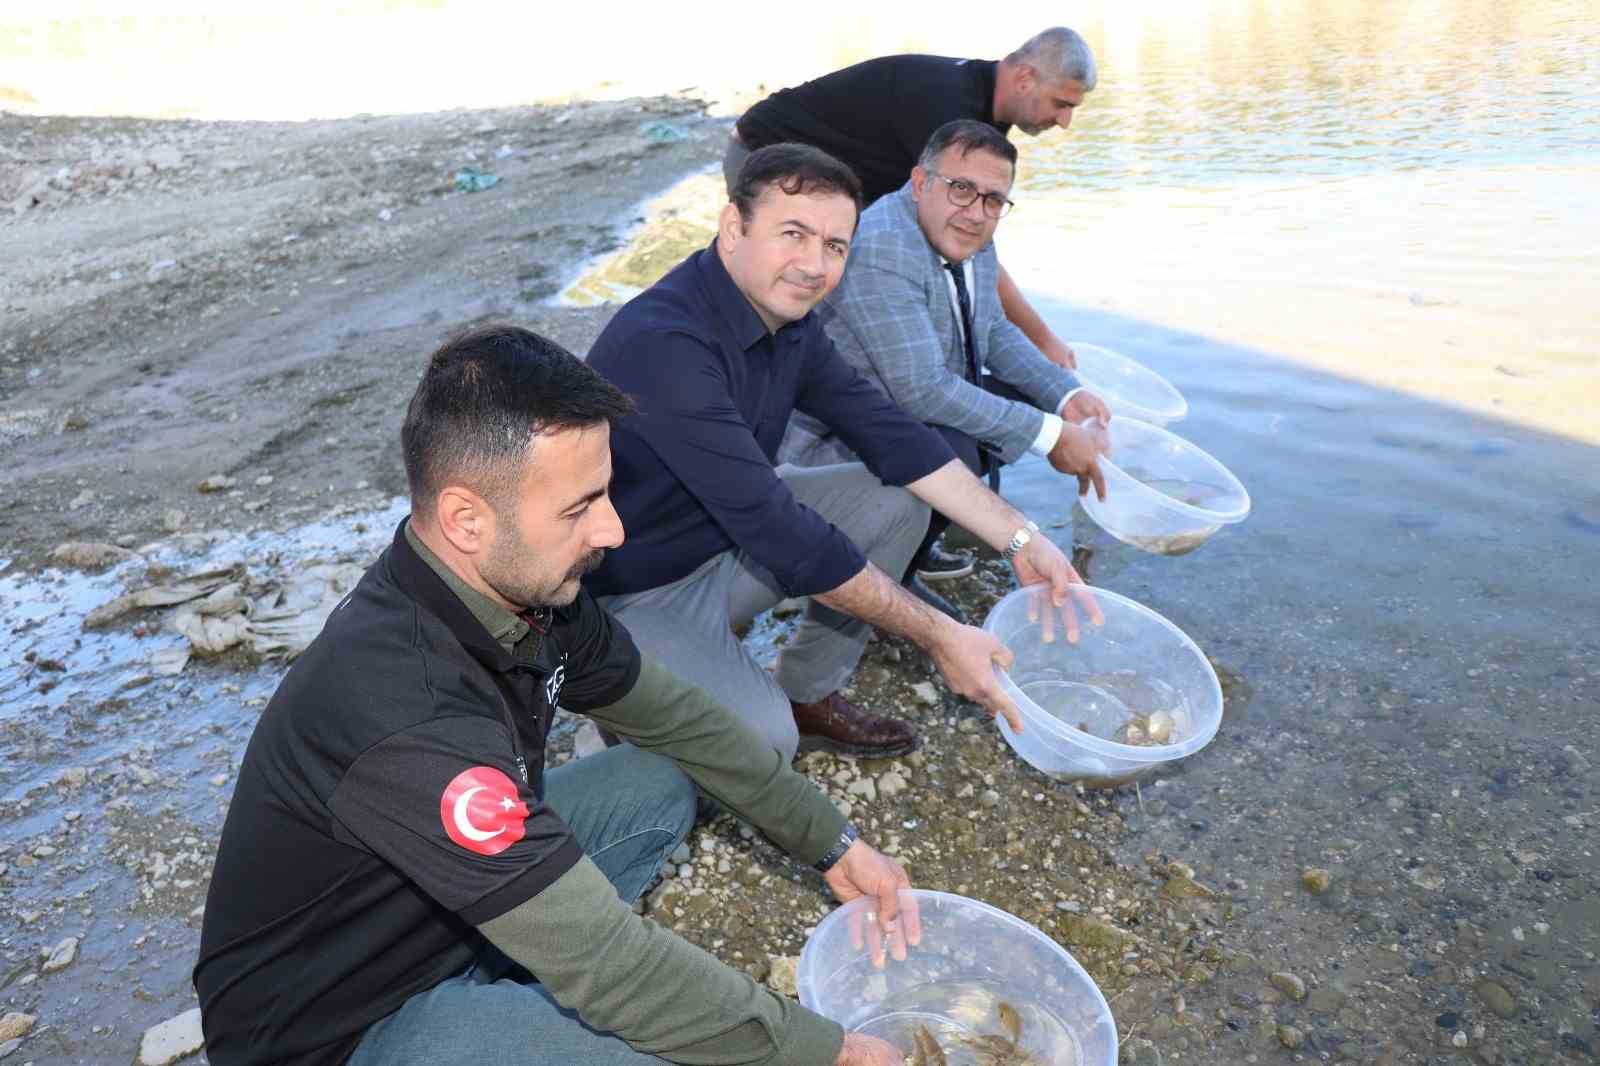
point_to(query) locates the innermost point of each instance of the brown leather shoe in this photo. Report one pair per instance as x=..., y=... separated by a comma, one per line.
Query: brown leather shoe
x=834, y=724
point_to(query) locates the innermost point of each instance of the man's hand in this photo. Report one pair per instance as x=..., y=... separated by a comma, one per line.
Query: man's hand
x=1059, y=352
x=1077, y=452
x=1061, y=591
x=1085, y=405
x=865, y=871
x=863, y=1050
x=966, y=656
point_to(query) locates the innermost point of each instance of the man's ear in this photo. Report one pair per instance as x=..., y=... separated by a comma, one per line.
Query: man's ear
x=919, y=179
x=730, y=226
x=465, y=519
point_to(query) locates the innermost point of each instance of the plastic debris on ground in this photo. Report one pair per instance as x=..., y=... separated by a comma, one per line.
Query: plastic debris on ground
x=224, y=608
x=471, y=179
x=663, y=132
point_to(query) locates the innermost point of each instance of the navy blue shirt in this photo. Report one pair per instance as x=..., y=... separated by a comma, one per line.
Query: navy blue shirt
x=693, y=469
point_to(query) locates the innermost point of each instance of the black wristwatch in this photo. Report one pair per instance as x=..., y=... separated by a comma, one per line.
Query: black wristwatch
x=840, y=846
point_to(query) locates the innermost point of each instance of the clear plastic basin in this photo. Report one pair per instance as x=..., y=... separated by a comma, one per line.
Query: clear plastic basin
x=1127, y=386
x=1131, y=693
x=1163, y=494
x=978, y=976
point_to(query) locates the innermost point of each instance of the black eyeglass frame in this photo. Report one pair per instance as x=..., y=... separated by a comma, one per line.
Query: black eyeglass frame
x=989, y=198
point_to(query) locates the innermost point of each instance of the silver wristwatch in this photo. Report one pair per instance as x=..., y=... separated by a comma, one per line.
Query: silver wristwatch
x=1019, y=540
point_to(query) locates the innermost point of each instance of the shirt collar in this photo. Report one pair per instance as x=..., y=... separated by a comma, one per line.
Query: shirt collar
x=731, y=304
x=424, y=585
x=506, y=627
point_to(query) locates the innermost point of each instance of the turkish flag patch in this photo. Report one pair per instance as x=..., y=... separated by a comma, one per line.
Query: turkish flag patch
x=481, y=811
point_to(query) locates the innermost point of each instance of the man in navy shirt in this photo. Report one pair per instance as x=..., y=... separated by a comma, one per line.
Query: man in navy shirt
x=717, y=356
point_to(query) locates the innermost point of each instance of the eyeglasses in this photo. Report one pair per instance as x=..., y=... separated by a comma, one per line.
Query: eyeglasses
x=962, y=192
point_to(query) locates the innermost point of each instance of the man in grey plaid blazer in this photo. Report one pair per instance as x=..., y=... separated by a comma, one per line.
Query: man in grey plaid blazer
x=918, y=312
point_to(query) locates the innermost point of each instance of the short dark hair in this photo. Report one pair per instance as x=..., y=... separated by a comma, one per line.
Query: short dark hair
x=796, y=169
x=970, y=136
x=484, y=395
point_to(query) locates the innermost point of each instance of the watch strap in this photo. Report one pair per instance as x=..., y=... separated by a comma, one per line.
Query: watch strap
x=849, y=836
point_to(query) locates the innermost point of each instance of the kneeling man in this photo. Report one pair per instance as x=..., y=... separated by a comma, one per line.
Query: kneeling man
x=919, y=314
x=718, y=355
x=399, y=882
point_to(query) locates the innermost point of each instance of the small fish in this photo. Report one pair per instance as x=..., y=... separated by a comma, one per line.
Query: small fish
x=1010, y=1020
x=927, y=1051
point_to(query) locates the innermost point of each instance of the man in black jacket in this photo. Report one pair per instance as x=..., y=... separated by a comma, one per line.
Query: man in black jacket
x=397, y=869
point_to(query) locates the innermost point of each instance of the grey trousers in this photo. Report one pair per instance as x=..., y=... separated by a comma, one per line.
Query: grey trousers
x=733, y=158
x=687, y=626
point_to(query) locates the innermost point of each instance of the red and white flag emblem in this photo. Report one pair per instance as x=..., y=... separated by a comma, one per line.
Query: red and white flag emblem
x=481, y=811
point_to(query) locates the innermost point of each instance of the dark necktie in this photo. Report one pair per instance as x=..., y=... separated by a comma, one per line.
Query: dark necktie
x=965, y=302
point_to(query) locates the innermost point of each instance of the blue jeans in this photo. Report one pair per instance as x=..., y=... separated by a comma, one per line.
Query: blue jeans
x=629, y=809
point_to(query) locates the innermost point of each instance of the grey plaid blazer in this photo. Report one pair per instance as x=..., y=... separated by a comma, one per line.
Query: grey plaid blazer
x=892, y=318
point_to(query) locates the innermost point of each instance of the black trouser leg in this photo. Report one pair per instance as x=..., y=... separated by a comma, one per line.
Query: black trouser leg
x=976, y=460
x=980, y=461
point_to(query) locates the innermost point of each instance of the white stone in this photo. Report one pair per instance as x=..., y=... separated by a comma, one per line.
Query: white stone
x=891, y=784
x=62, y=955
x=587, y=740
x=781, y=978
x=865, y=788
x=925, y=693
x=174, y=1039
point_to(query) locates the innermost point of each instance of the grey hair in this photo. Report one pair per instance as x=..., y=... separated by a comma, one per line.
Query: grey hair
x=1058, y=53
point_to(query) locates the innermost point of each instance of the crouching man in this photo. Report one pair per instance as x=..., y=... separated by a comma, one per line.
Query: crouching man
x=399, y=881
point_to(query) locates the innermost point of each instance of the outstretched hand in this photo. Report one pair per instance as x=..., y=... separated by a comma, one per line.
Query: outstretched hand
x=866, y=871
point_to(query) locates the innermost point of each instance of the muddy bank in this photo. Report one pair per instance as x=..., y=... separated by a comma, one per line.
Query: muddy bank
x=253, y=299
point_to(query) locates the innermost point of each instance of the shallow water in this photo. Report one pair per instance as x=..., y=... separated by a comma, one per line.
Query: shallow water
x=961, y=1019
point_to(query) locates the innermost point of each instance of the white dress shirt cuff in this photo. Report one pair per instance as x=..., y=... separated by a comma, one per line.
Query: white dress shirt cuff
x=1049, y=433
x=1068, y=398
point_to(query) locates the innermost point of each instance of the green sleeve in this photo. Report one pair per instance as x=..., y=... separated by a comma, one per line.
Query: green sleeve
x=727, y=758
x=627, y=975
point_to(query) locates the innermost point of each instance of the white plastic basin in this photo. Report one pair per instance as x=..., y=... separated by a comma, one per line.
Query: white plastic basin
x=1163, y=494
x=1127, y=386
x=977, y=972
x=1131, y=693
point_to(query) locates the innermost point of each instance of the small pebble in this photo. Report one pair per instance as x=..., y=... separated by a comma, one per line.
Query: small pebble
x=1316, y=880
x=1289, y=984
x=989, y=798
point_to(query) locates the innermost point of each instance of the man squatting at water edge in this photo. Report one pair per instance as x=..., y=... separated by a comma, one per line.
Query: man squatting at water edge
x=399, y=881
x=918, y=314
x=877, y=116
x=719, y=355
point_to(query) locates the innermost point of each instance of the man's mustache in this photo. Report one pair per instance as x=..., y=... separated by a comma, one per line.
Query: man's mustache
x=586, y=564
